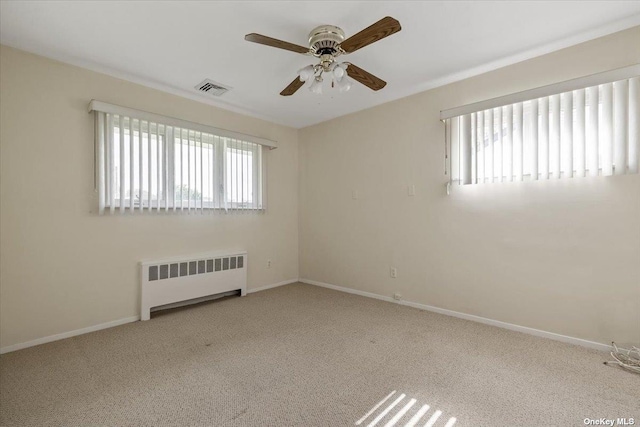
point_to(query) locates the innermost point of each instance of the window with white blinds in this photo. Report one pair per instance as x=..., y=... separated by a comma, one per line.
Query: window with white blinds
x=588, y=131
x=174, y=166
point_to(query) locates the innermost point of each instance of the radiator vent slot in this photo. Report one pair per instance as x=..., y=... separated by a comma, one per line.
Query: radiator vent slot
x=212, y=88
x=190, y=268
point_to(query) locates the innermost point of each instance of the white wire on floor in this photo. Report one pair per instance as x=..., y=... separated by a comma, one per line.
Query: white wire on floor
x=626, y=358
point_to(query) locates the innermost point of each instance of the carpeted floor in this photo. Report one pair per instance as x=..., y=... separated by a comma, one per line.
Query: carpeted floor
x=300, y=355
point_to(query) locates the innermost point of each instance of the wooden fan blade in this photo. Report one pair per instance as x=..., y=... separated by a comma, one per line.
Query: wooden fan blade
x=364, y=77
x=381, y=29
x=293, y=87
x=260, y=39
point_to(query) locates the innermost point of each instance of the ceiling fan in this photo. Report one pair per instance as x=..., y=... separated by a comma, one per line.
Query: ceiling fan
x=327, y=42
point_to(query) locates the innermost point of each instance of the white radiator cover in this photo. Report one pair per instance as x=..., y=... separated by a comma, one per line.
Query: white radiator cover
x=172, y=280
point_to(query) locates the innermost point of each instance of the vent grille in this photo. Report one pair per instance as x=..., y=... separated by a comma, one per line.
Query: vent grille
x=212, y=88
x=189, y=268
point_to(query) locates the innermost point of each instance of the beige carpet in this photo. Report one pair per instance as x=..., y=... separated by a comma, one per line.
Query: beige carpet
x=300, y=355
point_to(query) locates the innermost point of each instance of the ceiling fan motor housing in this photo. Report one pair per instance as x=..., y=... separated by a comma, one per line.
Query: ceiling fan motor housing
x=324, y=40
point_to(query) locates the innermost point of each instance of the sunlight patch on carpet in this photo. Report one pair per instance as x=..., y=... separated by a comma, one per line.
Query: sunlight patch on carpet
x=405, y=409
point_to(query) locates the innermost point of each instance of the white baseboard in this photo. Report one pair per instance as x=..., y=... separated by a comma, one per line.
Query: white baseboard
x=106, y=325
x=473, y=318
x=510, y=326
x=69, y=334
x=273, y=285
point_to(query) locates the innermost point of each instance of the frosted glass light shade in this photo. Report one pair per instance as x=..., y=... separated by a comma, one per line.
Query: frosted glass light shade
x=306, y=72
x=316, y=86
x=343, y=84
x=338, y=72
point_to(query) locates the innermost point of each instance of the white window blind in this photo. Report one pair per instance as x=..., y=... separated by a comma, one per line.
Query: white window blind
x=151, y=163
x=585, y=131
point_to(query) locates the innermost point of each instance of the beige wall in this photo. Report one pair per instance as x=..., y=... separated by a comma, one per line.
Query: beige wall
x=560, y=256
x=62, y=267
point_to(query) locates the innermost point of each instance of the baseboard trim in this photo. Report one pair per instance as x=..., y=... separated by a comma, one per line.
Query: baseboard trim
x=69, y=334
x=273, y=285
x=82, y=331
x=471, y=317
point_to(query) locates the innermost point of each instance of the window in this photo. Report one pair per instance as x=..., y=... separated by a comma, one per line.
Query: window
x=170, y=165
x=588, y=131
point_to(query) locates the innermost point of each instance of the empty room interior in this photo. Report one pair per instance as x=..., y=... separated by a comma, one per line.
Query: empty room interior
x=315, y=213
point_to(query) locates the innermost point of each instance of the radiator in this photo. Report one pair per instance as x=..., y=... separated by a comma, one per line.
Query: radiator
x=181, y=279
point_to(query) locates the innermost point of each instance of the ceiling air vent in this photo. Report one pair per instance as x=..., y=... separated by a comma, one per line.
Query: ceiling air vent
x=212, y=88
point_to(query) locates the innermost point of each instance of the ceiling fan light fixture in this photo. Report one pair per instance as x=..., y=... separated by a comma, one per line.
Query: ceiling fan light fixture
x=338, y=72
x=316, y=85
x=306, y=73
x=343, y=84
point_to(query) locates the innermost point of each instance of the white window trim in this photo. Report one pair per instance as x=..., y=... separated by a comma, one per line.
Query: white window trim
x=618, y=101
x=168, y=203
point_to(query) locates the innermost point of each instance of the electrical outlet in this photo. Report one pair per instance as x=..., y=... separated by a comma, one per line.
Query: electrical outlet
x=393, y=272
x=354, y=194
x=397, y=297
x=411, y=190
x=269, y=264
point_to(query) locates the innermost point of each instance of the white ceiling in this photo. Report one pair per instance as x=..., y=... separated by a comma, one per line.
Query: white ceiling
x=173, y=46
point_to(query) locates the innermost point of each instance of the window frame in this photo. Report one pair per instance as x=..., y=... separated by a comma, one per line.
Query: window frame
x=150, y=145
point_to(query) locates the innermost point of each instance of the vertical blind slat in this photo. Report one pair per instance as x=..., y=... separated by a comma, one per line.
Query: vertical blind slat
x=554, y=143
x=168, y=132
x=148, y=162
x=195, y=172
x=490, y=126
x=101, y=163
x=214, y=176
x=579, y=134
x=237, y=160
x=189, y=186
x=254, y=173
x=224, y=181
x=466, y=149
x=606, y=130
x=620, y=127
x=141, y=160
x=201, y=175
x=243, y=148
x=158, y=167
x=480, y=139
x=566, y=142
x=246, y=175
x=534, y=140
x=141, y=170
x=181, y=147
x=121, y=163
x=112, y=178
x=593, y=136
x=500, y=152
x=211, y=177
x=474, y=149
x=518, y=141
x=132, y=167
x=544, y=138
x=261, y=181
x=634, y=124
x=508, y=143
